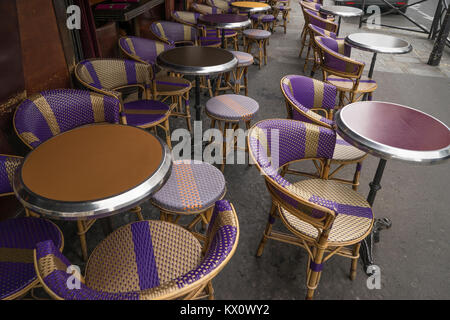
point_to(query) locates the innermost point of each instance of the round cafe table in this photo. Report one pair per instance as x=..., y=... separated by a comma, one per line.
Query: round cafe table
x=341, y=12
x=391, y=131
x=197, y=61
x=92, y=172
x=250, y=6
x=225, y=21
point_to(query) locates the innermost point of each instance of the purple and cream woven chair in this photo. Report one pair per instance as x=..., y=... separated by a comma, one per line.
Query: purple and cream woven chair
x=305, y=98
x=238, y=74
x=173, y=88
x=260, y=38
x=205, y=9
x=49, y=113
x=110, y=76
x=18, y=238
x=323, y=216
x=227, y=111
x=321, y=26
x=191, y=190
x=343, y=72
x=147, y=260
x=223, y=5
x=191, y=19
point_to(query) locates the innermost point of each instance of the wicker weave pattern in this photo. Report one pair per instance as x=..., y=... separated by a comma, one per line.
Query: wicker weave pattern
x=8, y=166
x=175, y=251
x=256, y=33
x=244, y=58
x=365, y=84
x=354, y=215
x=186, y=17
x=18, y=238
x=334, y=61
x=51, y=112
x=191, y=187
x=262, y=17
x=322, y=32
x=221, y=4
x=321, y=21
x=173, y=32
x=345, y=151
x=113, y=73
x=144, y=49
x=204, y=9
x=232, y=107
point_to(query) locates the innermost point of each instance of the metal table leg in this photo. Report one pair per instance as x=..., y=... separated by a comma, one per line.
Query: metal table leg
x=339, y=26
x=379, y=224
x=372, y=67
x=197, y=99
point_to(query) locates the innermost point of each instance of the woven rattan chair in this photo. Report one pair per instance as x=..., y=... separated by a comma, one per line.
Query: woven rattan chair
x=205, y=9
x=146, y=260
x=322, y=26
x=342, y=71
x=175, y=89
x=223, y=5
x=18, y=238
x=191, y=19
x=324, y=217
x=305, y=97
x=110, y=76
x=49, y=113
x=191, y=191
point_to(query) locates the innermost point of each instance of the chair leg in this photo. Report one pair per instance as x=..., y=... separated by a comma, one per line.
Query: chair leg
x=82, y=234
x=307, y=58
x=265, y=51
x=303, y=43
x=167, y=131
x=260, y=52
x=138, y=211
x=315, y=271
x=246, y=80
x=354, y=264
x=268, y=230
x=356, y=176
x=187, y=112
x=210, y=291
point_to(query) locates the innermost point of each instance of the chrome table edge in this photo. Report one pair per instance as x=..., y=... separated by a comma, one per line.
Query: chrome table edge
x=226, y=25
x=189, y=70
x=387, y=152
x=79, y=210
x=356, y=12
x=251, y=10
x=401, y=50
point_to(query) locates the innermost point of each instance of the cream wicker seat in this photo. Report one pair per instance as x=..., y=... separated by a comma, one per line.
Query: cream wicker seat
x=145, y=260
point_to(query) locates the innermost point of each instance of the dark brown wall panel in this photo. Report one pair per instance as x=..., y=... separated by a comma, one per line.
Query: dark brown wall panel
x=43, y=58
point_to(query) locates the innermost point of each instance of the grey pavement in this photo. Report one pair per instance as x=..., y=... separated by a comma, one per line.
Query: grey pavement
x=413, y=255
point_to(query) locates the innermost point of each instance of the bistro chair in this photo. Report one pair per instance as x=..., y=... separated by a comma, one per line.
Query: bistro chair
x=110, y=76
x=227, y=111
x=225, y=6
x=50, y=113
x=18, y=238
x=147, y=260
x=324, y=217
x=205, y=9
x=239, y=73
x=315, y=31
x=260, y=38
x=191, y=190
x=343, y=72
x=305, y=98
x=168, y=87
x=322, y=26
x=191, y=19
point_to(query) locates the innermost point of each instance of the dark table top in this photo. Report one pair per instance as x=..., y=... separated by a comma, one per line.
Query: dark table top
x=133, y=10
x=393, y=131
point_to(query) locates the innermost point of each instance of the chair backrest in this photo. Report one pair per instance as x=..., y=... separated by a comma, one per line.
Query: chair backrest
x=334, y=58
x=303, y=94
x=49, y=113
x=221, y=5
x=222, y=240
x=8, y=166
x=274, y=143
x=319, y=32
x=321, y=22
x=185, y=17
x=141, y=49
x=204, y=9
x=108, y=75
x=174, y=33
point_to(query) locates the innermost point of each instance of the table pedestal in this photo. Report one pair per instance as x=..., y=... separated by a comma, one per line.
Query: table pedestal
x=379, y=224
x=372, y=67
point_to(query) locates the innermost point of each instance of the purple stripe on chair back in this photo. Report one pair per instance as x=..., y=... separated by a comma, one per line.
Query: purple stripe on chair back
x=318, y=31
x=174, y=31
x=333, y=61
x=145, y=49
x=145, y=259
x=130, y=69
x=90, y=68
x=8, y=166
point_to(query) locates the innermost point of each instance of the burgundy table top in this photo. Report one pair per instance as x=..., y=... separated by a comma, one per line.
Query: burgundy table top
x=393, y=131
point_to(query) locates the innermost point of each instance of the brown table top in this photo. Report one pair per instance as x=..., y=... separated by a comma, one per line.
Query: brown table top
x=92, y=162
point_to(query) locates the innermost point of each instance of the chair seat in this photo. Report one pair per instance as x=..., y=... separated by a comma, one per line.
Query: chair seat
x=244, y=58
x=256, y=33
x=262, y=17
x=344, y=151
x=210, y=41
x=18, y=238
x=213, y=33
x=136, y=116
x=142, y=255
x=365, y=84
x=354, y=216
x=172, y=85
x=192, y=187
x=232, y=107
